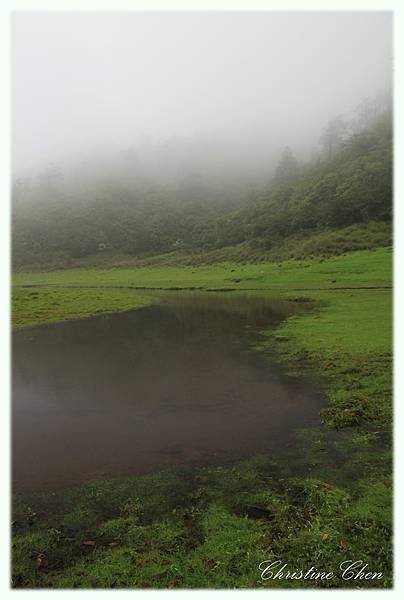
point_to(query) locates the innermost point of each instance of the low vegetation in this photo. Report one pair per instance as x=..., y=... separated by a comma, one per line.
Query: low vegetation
x=322, y=502
x=35, y=306
x=355, y=270
x=198, y=529
x=348, y=340
x=322, y=244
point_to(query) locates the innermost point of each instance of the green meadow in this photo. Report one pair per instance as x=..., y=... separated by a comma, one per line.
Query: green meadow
x=250, y=229
x=366, y=268
x=35, y=306
x=329, y=501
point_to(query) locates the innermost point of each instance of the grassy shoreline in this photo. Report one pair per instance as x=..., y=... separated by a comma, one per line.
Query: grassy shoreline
x=49, y=305
x=326, y=501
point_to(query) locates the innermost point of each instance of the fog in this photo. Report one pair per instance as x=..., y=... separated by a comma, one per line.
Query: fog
x=176, y=92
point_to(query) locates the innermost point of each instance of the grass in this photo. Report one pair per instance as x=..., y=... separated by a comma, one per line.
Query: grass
x=333, y=242
x=368, y=268
x=323, y=501
x=346, y=343
x=187, y=529
x=35, y=306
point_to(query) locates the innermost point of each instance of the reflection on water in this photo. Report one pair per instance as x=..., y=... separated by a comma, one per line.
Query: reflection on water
x=171, y=383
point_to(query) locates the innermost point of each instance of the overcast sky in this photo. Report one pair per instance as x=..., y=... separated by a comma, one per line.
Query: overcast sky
x=89, y=81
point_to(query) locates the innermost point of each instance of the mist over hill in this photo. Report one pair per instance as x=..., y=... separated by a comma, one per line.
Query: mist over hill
x=147, y=134
x=136, y=207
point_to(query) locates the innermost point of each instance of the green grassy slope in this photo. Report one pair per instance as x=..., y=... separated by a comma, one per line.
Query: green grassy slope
x=324, y=243
x=367, y=268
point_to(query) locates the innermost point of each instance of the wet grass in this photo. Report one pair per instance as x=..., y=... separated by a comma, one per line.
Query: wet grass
x=35, y=306
x=325, y=500
x=196, y=529
x=345, y=343
x=368, y=268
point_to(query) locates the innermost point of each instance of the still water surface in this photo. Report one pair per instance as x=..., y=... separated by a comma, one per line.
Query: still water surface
x=173, y=383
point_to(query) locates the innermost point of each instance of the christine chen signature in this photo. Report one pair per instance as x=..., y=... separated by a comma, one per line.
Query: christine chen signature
x=349, y=570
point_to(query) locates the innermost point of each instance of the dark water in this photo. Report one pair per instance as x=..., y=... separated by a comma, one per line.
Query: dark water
x=176, y=382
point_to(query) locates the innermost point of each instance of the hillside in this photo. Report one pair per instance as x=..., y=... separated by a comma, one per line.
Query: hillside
x=327, y=207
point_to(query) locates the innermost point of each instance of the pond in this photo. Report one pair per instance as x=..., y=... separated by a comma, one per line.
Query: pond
x=172, y=383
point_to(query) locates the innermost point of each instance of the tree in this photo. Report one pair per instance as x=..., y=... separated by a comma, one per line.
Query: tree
x=287, y=169
x=371, y=109
x=333, y=136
